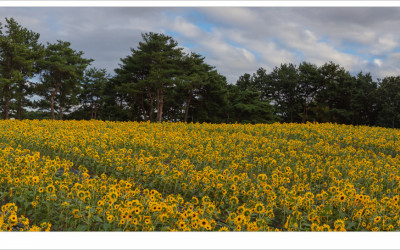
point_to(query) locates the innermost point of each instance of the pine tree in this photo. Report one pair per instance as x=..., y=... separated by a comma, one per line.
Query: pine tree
x=19, y=53
x=63, y=70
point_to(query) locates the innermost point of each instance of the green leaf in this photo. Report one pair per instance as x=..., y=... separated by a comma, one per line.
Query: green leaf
x=97, y=219
x=26, y=204
x=82, y=228
x=106, y=227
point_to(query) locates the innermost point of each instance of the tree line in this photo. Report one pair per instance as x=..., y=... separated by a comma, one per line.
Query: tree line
x=158, y=81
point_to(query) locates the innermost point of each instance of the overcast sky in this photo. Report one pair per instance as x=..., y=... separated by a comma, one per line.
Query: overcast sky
x=234, y=40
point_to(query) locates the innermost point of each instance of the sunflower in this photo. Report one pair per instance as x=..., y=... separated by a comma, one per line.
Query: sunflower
x=41, y=190
x=194, y=224
x=137, y=210
x=110, y=218
x=154, y=208
x=50, y=189
x=113, y=195
x=35, y=179
x=195, y=200
x=121, y=222
x=76, y=214
x=134, y=221
x=181, y=225
x=342, y=197
x=259, y=208
x=339, y=224
x=377, y=219
x=163, y=217
x=203, y=223
x=53, y=197
x=147, y=221
x=234, y=200
x=13, y=219
x=240, y=219
x=11, y=207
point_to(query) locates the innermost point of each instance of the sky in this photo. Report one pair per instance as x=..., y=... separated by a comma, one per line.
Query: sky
x=236, y=40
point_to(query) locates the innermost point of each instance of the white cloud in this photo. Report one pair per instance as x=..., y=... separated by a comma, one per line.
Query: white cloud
x=378, y=62
x=241, y=39
x=186, y=28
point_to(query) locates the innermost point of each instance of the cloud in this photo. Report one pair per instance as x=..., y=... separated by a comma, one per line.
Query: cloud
x=235, y=40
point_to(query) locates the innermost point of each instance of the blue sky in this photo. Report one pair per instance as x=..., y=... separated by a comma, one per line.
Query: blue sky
x=236, y=40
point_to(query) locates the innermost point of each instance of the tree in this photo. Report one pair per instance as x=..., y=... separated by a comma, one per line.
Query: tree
x=63, y=70
x=284, y=83
x=309, y=86
x=148, y=76
x=193, y=76
x=246, y=105
x=19, y=52
x=364, y=100
x=91, y=96
x=162, y=56
x=261, y=81
x=334, y=98
x=211, y=103
x=389, y=102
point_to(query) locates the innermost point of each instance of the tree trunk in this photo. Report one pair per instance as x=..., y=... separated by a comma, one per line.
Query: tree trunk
x=187, y=107
x=6, y=101
x=146, y=117
x=19, y=109
x=95, y=112
x=20, y=97
x=60, y=115
x=306, y=113
x=52, y=102
x=151, y=105
x=160, y=104
x=92, y=110
x=304, y=118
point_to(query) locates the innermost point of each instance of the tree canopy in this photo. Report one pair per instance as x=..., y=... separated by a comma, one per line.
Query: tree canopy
x=158, y=81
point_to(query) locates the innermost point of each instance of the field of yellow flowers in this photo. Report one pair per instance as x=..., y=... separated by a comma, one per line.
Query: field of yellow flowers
x=131, y=176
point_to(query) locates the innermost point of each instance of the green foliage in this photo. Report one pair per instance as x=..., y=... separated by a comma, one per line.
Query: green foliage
x=62, y=71
x=158, y=81
x=19, y=53
x=247, y=105
x=388, y=95
x=91, y=94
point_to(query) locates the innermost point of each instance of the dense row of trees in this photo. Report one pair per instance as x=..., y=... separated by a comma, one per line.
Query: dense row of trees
x=158, y=82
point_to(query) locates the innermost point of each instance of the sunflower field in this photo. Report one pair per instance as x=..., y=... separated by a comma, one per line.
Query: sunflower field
x=141, y=176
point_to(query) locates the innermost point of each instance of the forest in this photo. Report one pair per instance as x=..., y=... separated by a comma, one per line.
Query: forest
x=159, y=82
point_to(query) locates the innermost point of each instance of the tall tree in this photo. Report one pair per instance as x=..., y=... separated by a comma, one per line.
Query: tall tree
x=335, y=95
x=150, y=73
x=163, y=55
x=284, y=85
x=364, y=100
x=63, y=70
x=91, y=96
x=211, y=103
x=389, y=102
x=19, y=52
x=193, y=76
x=308, y=87
x=247, y=104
